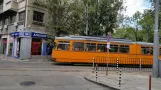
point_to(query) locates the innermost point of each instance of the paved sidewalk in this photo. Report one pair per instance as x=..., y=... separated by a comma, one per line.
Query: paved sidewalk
x=129, y=81
x=35, y=59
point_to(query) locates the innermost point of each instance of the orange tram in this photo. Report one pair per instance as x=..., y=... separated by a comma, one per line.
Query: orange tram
x=82, y=49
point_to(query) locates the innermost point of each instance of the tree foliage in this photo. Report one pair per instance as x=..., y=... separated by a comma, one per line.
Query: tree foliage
x=103, y=16
x=139, y=27
x=68, y=16
x=126, y=32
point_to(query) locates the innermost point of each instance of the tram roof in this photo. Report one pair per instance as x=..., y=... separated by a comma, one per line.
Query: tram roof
x=103, y=39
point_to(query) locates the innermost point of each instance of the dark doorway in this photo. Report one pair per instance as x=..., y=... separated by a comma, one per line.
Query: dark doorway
x=4, y=45
x=36, y=46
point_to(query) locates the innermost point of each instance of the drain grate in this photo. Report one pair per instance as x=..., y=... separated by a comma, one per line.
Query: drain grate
x=27, y=83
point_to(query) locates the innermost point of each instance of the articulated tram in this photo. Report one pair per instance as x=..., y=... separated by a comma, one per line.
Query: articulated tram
x=82, y=49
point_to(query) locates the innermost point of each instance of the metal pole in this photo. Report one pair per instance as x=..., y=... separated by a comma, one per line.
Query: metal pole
x=149, y=82
x=155, y=70
x=136, y=37
x=87, y=18
x=26, y=10
x=107, y=61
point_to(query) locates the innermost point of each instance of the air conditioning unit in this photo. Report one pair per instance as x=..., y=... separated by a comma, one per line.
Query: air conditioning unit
x=15, y=24
x=5, y=26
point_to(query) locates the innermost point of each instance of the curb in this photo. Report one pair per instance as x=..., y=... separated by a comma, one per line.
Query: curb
x=101, y=84
x=30, y=61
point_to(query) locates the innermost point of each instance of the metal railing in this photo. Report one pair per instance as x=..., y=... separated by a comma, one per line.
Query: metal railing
x=125, y=64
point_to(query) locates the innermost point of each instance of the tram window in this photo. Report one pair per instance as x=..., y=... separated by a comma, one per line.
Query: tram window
x=151, y=51
x=63, y=45
x=146, y=50
x=90, y=46
x=78, y=46
x=124, y=49
x=113, y=48
x=101, y=47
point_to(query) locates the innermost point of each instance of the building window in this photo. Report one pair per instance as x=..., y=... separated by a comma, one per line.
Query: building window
x=12, y=19
x=1, y=23
x=22, y=16
x=6, y=21
x=38, y=16
x=78, y=46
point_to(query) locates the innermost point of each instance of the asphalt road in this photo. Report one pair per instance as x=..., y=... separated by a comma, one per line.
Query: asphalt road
x=44, y=76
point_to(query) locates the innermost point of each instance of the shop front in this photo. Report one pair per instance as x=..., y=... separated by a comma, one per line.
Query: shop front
x=26, y=44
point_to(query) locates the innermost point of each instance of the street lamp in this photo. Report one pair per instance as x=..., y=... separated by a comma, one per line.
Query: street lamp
x=155, y=71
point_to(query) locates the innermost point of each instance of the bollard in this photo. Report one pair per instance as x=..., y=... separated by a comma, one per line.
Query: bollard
x=117, y=63
x=96, y=71
x=149, y=82
x=140, y=64
x=120, y=79
x=107, y=68
x=93, y=66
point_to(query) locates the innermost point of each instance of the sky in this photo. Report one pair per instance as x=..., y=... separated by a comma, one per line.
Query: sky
x=135, y=5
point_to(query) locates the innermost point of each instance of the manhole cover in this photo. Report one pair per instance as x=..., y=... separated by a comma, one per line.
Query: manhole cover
x=27, y=83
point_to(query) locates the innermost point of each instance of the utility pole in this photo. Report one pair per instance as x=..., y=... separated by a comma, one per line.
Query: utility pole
x=86, y=11
x=136, y=29
x=155, y=71
x=26, y=12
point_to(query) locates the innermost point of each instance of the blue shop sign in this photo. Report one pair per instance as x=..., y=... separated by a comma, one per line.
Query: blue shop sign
x=28, y=34
x=39, y=35
x=16, y=34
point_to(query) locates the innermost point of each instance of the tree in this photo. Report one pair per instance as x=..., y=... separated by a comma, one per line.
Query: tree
x=125, y=33
x=68, y=16
x=65, y=16
x=103, y=16
x=135, y=19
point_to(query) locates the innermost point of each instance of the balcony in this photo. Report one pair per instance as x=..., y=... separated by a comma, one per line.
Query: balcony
x=10, y=5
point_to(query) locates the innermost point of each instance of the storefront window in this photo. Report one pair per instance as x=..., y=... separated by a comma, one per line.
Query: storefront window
x=36, y=46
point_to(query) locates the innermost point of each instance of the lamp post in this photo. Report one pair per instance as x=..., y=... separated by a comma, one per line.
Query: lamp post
x=26, y=12
x=155, y=71
x=86, y=11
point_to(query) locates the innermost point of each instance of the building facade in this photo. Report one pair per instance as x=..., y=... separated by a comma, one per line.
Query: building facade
x=22, y=28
